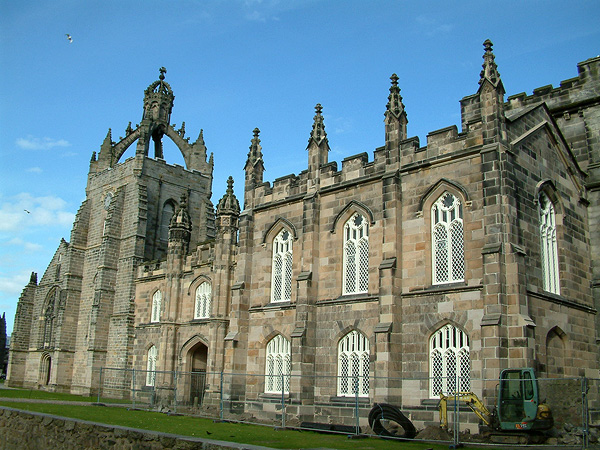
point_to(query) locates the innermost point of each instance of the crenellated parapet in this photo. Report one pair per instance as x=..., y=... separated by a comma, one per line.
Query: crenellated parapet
x=572, y=94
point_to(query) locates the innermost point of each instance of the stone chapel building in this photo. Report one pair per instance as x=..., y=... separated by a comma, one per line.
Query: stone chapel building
x=395, y=277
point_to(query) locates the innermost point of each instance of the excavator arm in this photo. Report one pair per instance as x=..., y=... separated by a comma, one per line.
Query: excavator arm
x=471, y=400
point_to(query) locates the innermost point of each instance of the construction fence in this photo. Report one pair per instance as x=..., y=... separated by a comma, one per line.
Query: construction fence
x=396, y=408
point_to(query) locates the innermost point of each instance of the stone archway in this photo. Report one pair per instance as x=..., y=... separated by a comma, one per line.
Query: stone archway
x=45, y=369
x=197, y=359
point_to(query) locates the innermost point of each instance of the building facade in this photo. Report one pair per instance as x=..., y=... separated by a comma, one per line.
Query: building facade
x=392, y=279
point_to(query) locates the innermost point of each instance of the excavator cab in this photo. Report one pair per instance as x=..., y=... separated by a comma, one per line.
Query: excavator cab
x=519, y=406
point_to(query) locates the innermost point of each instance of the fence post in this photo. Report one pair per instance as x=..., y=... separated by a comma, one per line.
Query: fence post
x=221, y=395
x=456, y=437
x=100, y=385
x=585, y=414
x=133, y=386
x=175, y=392
x=357, y=431
x=282, y=400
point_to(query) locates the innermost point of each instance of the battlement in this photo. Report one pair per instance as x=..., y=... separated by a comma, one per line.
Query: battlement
x=571, y=94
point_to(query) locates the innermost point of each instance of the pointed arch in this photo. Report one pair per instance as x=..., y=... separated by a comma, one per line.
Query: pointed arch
x=278, y=365
x=548, y=187
x=449, y=360
x=191, y=343
x=447, y=239
x=441, y=185
x=353, y=365
x=49, y=314
x=203, y=301
x=151, y=360
x=282, y=266
x=548, y=202
x=157, y=300
x=45, y=369
x=276, y=227
x=166, y=214
x=355, y=271
x=556, y=346
x=349, y=210
x=197, y=282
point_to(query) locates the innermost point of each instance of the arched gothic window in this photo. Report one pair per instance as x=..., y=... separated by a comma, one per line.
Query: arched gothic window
x=49, y=316
x=356, y=256
x=165, y=220
x=203, y=301
x=281, y=279
x=549, y=249
x=449, y=361
x=278, y=365
x=151, y=366
x=447, y=238
x=45, y=369
x=353, y=365
x=156, y=306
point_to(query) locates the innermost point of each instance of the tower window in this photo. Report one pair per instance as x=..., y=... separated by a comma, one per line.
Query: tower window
x=356, y=256
x=281, y=278
x=549, y=249
x=203, y=301
x=447, y=240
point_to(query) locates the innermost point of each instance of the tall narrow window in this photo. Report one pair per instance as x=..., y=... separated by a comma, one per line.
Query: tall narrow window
x=203, y=301
x=447, y=240
x=353, y=365
x=151, y=366
x=156, y=305
x=449, y=361
x=281, y=279
x=165, y=220
x=49, y=315
x=356, y=256
x=278, y=365
x=549, y=250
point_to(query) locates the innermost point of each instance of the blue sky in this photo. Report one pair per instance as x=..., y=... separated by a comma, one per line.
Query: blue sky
x=236, y=65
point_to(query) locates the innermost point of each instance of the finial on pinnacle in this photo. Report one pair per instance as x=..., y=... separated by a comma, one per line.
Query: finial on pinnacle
x=256, y=132
x=487, y=45
x=183, y=200
x=230, y=182
x=318, y=108
x=394, y=79
x=162, y=71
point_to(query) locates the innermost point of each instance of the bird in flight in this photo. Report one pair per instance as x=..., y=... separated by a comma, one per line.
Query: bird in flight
x=69, y=38
x=28, y=212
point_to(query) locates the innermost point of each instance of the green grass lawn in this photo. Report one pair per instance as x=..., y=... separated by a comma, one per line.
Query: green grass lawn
x=43, y=395
x=206, y=428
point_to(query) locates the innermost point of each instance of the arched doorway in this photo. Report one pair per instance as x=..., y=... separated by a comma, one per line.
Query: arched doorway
x=198, y=361
x=45, y=369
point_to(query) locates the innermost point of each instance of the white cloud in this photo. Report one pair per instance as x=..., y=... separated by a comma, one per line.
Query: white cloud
x=432, y=27
x=46, y=143
x=29, y=247
x=12, y=284
x=255, y=16
x=26, y=211
x=35, y=170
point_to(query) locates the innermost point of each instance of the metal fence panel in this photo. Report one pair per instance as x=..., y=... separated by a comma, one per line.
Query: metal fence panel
x=391, y=408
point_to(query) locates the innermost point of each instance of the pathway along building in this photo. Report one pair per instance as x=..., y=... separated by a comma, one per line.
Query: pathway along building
x=446, y=262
